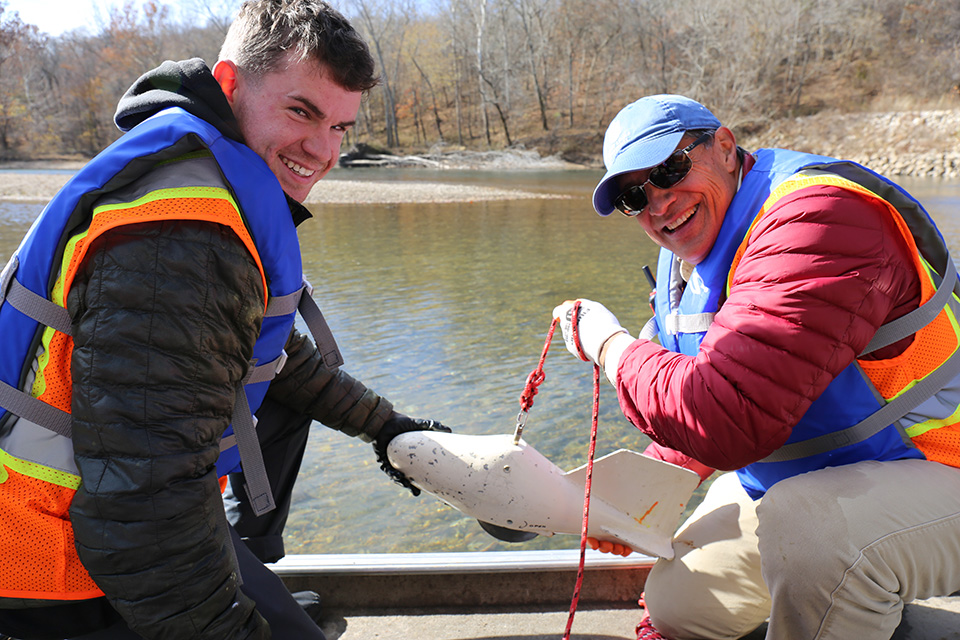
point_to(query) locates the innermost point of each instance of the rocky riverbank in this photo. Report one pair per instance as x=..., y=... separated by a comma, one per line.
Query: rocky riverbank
x=900, y=143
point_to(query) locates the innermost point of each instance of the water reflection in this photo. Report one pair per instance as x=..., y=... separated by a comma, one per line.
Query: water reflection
x=443, y=308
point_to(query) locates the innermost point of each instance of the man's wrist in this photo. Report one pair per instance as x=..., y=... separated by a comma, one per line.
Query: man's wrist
x=611, y=351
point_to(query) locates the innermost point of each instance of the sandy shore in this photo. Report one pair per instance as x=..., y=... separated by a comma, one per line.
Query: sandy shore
x=40, y=187
x=897, y=143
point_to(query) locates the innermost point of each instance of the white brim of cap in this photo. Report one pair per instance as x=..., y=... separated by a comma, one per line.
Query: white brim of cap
x=634, y=157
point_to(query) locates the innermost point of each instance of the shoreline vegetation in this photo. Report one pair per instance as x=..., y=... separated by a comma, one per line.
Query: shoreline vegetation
x=915, y=143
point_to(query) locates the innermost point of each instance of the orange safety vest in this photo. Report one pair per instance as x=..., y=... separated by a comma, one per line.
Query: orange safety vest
x=903, y=407
x=172, y=166
x=41, y=561
x=935, y=344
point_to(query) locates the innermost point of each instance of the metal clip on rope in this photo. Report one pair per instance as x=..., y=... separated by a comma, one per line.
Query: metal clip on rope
x=530, y=389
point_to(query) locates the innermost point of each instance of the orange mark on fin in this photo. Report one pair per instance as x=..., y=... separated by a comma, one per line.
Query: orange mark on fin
x=652, y=507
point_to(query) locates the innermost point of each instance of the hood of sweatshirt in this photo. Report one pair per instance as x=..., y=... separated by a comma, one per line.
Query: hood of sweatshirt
x=187, y=84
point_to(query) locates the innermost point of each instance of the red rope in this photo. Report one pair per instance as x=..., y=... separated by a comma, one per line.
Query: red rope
x=534, y=380
x=586, y=499
x=536, y=376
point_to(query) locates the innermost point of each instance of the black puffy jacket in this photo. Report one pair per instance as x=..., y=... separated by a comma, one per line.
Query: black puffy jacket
x=165, y=316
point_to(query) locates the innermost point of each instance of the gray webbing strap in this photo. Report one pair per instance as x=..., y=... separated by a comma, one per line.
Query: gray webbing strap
x=283, y=305
x=245, y=430
x=904, y=403
x=244, y=423
x=319, y=329
x=29, y=408
x=316, y=323
x=875, y=422
x=688, y=322
x=909, y=324
x=266, y=372
x=38, y=308
x=228, y=441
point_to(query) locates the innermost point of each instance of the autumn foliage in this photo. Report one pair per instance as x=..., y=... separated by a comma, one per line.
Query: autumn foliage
x=494, y=73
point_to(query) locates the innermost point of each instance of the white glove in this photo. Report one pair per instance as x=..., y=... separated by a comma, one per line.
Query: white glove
x=595, y=326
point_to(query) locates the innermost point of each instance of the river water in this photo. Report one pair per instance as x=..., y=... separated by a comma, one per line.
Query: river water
x=443, y=309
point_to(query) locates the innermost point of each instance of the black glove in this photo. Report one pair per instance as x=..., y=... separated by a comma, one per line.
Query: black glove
x=393, y=427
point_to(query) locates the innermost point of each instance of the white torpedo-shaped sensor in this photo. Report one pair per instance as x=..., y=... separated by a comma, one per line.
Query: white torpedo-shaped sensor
x=635, y=500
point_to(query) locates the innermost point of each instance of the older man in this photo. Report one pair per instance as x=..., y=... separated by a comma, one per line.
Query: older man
x=806, y=310
x=147, y=315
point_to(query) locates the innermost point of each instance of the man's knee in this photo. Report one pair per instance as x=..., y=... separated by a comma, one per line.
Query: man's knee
x=714, y=592
x=800, y=535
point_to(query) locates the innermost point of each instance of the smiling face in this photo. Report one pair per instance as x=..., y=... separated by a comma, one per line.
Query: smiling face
x=294, y=118
x=686, y=218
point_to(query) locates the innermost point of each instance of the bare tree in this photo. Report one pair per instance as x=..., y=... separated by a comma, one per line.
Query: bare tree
x=532, y=16
x=433, y=96
x=216, y=14
x=20, y=44
x=467, y=60
x=385, y=23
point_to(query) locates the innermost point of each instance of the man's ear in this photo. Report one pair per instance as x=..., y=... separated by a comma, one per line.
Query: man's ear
x=226, y=73
x=728, y=145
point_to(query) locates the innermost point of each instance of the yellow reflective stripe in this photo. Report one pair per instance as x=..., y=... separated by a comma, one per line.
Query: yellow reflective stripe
x=58, y=294
x=804, y=179
x=38, y=471
x=39, y=382
x=192, y=155
x=175, y=192
x=929, y=425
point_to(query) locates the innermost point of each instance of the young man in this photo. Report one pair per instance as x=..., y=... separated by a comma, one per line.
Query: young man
x=807, y=315
x=147, y=314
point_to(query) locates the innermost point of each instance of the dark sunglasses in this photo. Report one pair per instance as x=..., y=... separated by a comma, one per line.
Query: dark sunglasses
x=634, y=200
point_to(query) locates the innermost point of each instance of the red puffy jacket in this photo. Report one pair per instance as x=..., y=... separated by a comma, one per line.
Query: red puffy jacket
x=822, y=271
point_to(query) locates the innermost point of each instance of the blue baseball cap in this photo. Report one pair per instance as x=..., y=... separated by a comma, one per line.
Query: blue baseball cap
x=643, y=135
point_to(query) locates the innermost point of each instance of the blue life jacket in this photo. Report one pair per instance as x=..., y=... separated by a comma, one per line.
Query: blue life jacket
x=836, y=429
x=35, y=265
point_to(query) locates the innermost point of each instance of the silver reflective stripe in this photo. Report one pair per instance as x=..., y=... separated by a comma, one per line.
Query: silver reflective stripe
x=877, y=421
x=6, y=276
x=245, y=430
x=26, y=406
x=176, y=174
x=28, y=441
x=909, y=324
x=231, y=548
x=688, y=323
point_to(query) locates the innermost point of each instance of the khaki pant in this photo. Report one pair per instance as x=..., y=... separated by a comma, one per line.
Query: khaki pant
x=834, y=553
